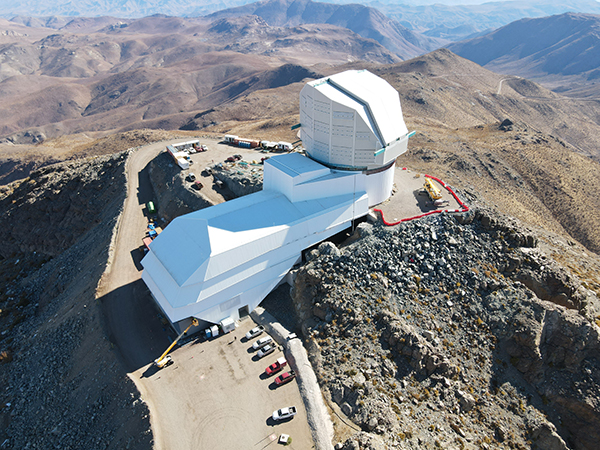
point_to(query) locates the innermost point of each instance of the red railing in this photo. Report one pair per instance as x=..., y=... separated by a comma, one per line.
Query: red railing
x=463, y=207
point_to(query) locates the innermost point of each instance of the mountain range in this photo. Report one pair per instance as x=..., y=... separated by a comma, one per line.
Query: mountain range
x=450, y=20
x=118, y=8
x=153, y=70
x=461, y=21
x=365, y=21
x=562, y=52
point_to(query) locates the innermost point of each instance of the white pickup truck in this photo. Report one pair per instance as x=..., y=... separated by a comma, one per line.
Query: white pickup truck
x=284, y=413
x=262, y=342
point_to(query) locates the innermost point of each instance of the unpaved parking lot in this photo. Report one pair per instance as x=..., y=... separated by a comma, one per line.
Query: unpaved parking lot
x=218, y=152
x=228, y=399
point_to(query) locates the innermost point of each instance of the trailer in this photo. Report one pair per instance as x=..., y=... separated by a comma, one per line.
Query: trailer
x=183, y=146
x=246, y=143
x=285, y=146
x=180, y=157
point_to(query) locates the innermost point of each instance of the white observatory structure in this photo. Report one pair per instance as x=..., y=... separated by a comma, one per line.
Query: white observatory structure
x=222, y=261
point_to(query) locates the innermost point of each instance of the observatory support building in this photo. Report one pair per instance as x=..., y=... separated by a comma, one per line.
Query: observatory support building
x=222, y=261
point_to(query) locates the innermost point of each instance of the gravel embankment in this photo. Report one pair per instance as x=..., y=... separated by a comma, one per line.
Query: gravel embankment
x=438, y=333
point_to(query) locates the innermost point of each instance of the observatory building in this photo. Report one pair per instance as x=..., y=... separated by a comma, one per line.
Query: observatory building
x=222, y=261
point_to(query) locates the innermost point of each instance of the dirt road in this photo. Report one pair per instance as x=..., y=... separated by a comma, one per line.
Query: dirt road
x=127, y=311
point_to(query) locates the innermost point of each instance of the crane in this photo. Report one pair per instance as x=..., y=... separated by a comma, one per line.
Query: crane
x=164, y=360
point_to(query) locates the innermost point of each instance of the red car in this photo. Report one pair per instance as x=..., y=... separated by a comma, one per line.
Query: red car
x=285, y=378
x=276, y=366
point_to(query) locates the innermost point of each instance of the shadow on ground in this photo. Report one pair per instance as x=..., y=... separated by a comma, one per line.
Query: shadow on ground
x=133, y=324
x=424, y=203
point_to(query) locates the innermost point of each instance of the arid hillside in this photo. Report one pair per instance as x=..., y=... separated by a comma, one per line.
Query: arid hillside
x=98, y=76
x=545, y=161
x=56, y=363
x=447, y=332
x=363, y=20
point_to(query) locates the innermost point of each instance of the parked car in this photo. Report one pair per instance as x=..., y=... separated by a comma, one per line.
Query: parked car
x=230, y=159
x=285, y=378
x=203, y=148
x=254, y=332
x=198, y=185
x=192, y=176
x=262, y=342
x=276, y=366
x=266, y=350
x=284, y=413
x=238, y=157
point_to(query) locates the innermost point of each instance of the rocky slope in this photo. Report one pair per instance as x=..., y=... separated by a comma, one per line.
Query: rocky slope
x=63, y=384
x=452, y=332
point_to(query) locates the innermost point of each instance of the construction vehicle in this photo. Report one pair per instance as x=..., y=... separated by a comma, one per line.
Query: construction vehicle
x=432, y=190
x=165, y=360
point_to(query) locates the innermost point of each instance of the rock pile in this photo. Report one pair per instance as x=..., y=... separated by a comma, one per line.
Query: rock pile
x=173, y=198
x=437, y=333
x=240, y=179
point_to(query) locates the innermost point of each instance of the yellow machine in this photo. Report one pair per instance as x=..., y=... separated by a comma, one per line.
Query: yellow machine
x=432, y=190
x=164, y=360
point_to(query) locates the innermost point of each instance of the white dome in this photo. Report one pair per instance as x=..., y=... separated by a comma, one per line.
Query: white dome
x=352, y=120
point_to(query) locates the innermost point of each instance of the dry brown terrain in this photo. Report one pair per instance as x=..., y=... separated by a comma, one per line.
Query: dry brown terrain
x=543, y=171
x=154, y=71
x=561, y=51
